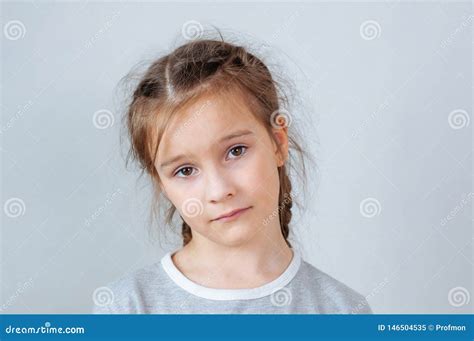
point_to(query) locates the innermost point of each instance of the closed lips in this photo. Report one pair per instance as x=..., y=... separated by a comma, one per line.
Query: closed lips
x=231, y=213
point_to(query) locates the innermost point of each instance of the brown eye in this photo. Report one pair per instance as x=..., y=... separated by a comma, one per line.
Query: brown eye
x=238, y=150
x=186, y=171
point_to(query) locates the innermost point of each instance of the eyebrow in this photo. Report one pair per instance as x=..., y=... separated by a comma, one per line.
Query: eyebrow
x=235, y=134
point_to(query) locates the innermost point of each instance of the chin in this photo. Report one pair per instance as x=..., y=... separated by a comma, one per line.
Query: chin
x=235, y=236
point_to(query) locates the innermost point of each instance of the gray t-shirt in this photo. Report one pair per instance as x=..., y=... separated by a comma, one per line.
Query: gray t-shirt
x=161, y=288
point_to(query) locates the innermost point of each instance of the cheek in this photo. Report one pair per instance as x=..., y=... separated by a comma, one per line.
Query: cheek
x=188, y=203
x=260, y=180
x=186, y=196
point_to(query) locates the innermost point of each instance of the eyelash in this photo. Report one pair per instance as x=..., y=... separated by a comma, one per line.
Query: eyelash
x=230, y=149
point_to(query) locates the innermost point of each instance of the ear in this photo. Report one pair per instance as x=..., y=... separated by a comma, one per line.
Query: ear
x=281, y=136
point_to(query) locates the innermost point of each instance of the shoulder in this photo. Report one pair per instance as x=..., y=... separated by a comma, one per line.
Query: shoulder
x=331, y=295
x=125, y=294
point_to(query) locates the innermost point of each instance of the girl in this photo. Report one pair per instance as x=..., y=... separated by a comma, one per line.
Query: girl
x=205, y=122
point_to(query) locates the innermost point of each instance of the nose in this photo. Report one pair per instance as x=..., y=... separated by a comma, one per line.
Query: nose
x=219, y=185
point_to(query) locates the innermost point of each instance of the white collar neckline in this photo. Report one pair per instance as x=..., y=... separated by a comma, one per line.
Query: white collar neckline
x=230, y=294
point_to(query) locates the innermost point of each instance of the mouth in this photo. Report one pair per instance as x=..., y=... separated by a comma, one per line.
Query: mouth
x=232, y=214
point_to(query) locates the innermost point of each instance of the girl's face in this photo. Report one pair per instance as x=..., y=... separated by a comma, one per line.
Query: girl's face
x=214, y=158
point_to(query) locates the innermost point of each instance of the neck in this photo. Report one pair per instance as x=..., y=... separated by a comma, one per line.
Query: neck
x=251, y=264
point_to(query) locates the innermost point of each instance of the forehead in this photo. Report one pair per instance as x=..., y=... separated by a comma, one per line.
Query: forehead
x=199, y=126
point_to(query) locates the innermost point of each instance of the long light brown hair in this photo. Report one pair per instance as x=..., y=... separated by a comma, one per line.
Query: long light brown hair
x=177, y=79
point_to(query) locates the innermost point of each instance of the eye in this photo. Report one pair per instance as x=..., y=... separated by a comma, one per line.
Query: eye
x=239, y=150
x=185, y=171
